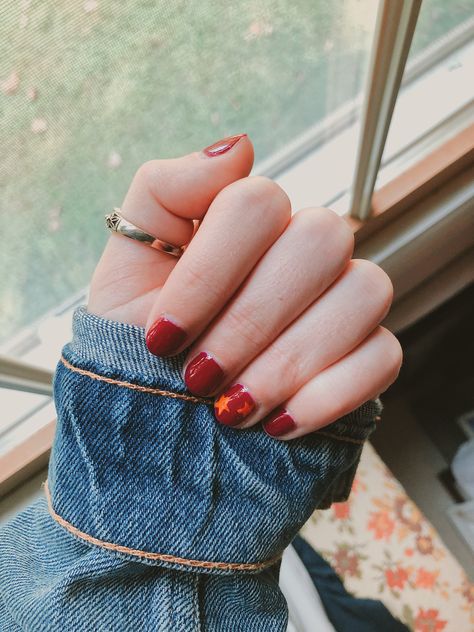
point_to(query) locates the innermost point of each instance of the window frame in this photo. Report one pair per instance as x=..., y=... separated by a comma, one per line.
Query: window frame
x=374, y=211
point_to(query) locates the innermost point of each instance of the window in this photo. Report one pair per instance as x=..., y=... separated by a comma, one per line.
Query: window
x=436, y=98
x=90, y=90
x=93, y=89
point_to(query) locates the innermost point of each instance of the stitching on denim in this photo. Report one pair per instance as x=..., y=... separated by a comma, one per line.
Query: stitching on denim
x=162, y=557
x=134, y=387
x=189, y=398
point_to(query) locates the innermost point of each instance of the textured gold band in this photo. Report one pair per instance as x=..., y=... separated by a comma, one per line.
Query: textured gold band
x=118, y=224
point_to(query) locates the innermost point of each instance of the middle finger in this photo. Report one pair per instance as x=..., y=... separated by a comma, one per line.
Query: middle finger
x=303, y=262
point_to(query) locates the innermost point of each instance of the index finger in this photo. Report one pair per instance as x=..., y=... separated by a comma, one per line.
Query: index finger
x=243, y=221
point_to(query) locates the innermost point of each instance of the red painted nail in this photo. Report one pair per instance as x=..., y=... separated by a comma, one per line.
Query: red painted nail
x=164, y=338
x=279, y=423
x=234, y=405
x=203, y=375
x=216, y=149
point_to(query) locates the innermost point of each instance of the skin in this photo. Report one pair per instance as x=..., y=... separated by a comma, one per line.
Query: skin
x=275, y=299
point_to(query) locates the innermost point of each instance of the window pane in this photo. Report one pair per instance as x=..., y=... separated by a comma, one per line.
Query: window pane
x=436, y=19
x=91, y=89
x=436, y=97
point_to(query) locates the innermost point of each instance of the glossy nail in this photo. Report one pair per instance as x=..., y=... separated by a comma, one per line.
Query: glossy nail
x=279, y=423
x=164, y=338
x=234, y=405
x=203, y=375
x=223, y=145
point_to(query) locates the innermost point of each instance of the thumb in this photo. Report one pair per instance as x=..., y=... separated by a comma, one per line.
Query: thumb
x=163, y=199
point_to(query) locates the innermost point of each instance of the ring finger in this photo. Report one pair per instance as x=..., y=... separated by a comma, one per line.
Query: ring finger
x=329, y=329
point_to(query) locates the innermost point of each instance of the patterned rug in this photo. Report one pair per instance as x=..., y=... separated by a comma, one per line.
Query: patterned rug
x=382, y=547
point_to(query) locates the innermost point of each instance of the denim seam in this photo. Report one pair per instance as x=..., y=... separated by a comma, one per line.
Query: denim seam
x=134, y=387
x=190, y=398
x=148, y=555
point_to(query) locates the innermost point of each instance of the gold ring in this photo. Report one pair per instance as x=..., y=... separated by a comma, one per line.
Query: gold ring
x=118, y=224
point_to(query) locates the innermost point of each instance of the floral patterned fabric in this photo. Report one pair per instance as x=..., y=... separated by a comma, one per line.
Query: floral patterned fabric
x=384, y=548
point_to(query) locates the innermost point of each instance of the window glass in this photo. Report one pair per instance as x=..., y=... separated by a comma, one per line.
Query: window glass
x=436, y=92
x=436, y=19
x=89, y=90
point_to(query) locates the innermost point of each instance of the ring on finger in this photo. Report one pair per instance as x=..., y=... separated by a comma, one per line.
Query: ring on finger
x=118, y=224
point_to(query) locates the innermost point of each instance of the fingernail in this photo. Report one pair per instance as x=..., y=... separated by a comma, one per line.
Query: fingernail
x=279, y=423
x=164, y=338
x=234, y=405
x=203, y=375
x=223, y=145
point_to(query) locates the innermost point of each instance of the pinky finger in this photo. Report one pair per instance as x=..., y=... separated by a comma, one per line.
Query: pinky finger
x=341, y=388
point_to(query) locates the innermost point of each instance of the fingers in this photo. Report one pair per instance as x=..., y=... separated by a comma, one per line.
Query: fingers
x=243, y=221
x=303, y=262
x=163, y=199
x=327, y=331
x=344, y=386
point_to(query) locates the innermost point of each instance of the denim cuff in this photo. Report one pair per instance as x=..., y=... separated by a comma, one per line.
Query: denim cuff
x=120, y=347
x=140, y=467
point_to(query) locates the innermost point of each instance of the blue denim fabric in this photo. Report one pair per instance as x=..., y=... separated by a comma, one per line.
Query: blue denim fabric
x=156, y=473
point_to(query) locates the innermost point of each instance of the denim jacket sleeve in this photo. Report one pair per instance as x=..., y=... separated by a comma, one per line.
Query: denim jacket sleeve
x=154, y=516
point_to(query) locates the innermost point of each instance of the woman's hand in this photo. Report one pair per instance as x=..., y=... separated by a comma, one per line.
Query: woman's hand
x=283, y=327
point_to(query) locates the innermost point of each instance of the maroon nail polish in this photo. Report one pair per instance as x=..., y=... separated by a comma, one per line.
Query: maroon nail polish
x=203, y=375
x=234, y=405
x=216, y=149
x=164, y=338
x=279, y=423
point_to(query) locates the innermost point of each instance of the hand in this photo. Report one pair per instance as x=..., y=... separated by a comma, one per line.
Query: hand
x=283, y=327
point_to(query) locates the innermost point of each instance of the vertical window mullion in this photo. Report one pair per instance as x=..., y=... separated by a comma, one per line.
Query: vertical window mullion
x=394, y=30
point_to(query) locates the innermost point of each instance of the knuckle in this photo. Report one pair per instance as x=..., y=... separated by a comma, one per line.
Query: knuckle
x=287, y=364
x=244, y=325
x=266, y=188
x=196, y=276
x=376, y=280
x=322, y=223
x=264, y=194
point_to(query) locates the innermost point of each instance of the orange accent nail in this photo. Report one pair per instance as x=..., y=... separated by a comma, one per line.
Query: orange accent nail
x=234, y=405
